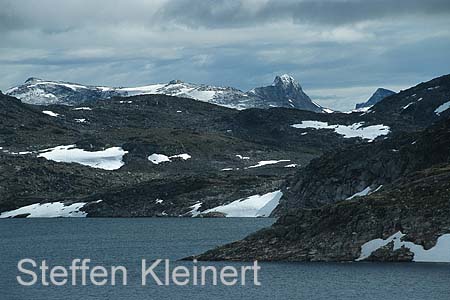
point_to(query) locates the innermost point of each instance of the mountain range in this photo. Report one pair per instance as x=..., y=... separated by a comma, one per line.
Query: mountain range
x=284, y=92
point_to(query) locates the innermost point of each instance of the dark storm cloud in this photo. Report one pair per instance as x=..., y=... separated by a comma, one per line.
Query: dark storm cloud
x=56, y=16
x=224, y=13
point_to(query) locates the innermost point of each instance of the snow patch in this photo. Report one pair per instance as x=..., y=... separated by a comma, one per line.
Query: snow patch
x=348, y=131
x=142, y=90
x=50, y=113
x=439, y=253
x=364, y=110
x=183, y=156
x=194, y=209
x=377, y=189
x=407, y=105
x=156, y=158
x=73, y=87
x=367, y=191
x=442, y=108
x=364, y=192
x=267, y=162
x=24, y=152
x=108, y=159
x=253, y=206
x=49, y=210
x=327, y=110
x=82, y=108
x=201, y=95
x=242, y=157
x=291, y=166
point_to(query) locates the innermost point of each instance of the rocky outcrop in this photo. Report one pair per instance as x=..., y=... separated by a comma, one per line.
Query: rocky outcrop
x=417, y=205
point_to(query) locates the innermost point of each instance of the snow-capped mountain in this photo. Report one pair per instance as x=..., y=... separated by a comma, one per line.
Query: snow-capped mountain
x=284, y=92
x=44, y=92
x=376, y=97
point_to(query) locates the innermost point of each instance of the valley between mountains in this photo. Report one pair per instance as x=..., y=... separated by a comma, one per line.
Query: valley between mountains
x=370, y=184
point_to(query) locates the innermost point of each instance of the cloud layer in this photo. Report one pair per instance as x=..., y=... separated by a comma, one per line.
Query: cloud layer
x=339, y=50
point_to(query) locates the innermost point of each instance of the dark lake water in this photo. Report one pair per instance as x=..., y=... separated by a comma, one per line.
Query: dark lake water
x=126, y=241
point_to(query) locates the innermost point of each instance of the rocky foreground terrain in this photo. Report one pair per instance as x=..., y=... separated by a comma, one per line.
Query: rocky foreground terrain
x=228, y=154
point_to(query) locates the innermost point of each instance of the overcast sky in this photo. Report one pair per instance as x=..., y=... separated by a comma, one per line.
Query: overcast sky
x=340, y=51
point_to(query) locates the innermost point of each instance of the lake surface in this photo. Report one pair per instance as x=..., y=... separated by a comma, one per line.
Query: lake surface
x=125, y=242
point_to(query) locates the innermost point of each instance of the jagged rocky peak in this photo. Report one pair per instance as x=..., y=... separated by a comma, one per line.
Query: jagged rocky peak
x=376, y=97
x=286, y=92
x=286, y=80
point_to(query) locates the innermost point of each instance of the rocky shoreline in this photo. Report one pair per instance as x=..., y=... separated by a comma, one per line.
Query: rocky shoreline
x=418, y=207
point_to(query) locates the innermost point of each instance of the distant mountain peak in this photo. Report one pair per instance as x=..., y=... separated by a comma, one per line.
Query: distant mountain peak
x=376, y=97
x=286, y=92
x=382, y=91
